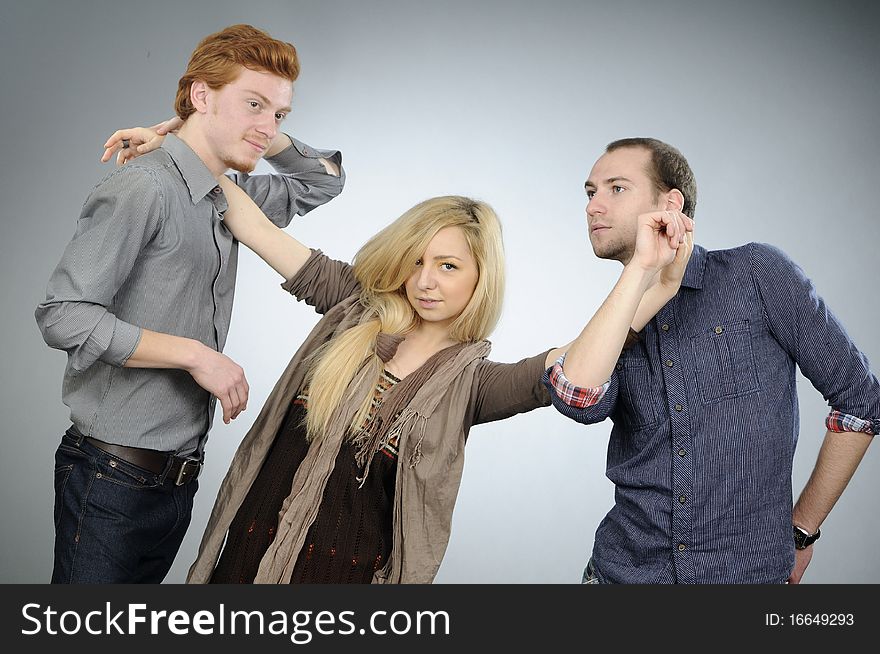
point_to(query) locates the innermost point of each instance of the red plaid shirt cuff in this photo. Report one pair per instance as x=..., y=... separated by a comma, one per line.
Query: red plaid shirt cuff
x=839, y=422
x=572, y=395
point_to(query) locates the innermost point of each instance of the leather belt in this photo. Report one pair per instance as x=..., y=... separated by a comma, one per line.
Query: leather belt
x=181, y=470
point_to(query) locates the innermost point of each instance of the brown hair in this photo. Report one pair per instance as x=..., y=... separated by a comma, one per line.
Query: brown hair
x=217, y=58
x=668, y=169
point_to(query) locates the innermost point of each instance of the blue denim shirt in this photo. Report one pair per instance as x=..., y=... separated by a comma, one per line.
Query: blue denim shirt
x=705, y=419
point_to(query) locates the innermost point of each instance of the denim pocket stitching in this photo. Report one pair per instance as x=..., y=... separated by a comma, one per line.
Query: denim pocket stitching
x=59, y=491
x=741, y=371
x=139, y=478
x=639, y=415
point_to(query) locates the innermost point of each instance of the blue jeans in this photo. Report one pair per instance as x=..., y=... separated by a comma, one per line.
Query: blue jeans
x=114, y=522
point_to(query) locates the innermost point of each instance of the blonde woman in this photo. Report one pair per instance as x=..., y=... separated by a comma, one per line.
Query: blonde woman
x=351, y=470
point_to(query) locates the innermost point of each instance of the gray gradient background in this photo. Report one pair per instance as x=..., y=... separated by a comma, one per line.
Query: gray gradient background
x=774, y=104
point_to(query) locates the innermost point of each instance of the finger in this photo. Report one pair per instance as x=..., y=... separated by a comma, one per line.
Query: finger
x=129, y=133
x=108, y=154
x=689, y=222
x=240, y=392
x=244, y=392
x=146, y=147
x=680, y=229
x=115, y=138
x=124, y=154
x=226, y=403
x=235, y=403
x=167, y=126
x=672, y=229
x=174, y=124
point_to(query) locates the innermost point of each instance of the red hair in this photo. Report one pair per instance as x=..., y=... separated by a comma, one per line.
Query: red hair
x=217, y=58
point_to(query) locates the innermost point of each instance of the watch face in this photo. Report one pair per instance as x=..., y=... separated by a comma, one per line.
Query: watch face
x=803, y=539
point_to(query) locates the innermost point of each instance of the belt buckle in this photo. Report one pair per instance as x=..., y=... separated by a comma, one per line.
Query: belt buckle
x=185, y=469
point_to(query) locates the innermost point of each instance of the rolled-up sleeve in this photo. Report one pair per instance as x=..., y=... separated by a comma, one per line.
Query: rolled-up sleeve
x=811, y=334
x=584, y=405
x=120, y=216
x=322, y=282
x=302, y=182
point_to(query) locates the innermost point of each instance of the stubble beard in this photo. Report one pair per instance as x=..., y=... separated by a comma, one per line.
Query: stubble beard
x=238, y=164
x=613, y=251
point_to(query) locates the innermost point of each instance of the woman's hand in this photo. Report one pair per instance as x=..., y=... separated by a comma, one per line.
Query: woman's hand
x=672, y=274
x=134, y=141
x=668, y=283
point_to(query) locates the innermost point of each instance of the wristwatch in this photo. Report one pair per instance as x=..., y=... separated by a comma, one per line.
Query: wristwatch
x=803, y=539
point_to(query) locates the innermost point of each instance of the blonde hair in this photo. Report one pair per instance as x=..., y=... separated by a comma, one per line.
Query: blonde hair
x=382, y=267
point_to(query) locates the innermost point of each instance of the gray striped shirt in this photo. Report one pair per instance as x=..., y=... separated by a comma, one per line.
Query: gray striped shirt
x=151, y=251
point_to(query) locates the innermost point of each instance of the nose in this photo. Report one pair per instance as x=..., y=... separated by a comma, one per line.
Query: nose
x=595, y=206
x=267, y=126
x=426, y=278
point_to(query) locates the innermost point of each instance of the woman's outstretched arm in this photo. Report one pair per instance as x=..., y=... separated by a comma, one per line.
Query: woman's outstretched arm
x=249, y=224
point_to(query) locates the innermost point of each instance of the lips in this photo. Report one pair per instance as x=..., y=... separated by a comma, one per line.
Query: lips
x=427, y=303
x=598, y=228
x=257, y=146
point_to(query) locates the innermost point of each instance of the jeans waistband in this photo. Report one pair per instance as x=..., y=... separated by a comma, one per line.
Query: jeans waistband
x=179, y=469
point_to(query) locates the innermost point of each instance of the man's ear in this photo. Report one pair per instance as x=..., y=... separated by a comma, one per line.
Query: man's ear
x=198, y=95
x=674, y=200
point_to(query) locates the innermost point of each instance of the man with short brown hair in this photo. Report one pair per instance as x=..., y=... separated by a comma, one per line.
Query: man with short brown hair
x=703, y=397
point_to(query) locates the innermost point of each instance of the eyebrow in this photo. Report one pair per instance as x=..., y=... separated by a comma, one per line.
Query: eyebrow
x=610, y=180
x=447, y=256
x=266, y=100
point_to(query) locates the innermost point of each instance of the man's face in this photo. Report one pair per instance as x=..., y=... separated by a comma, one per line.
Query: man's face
x=619, y=189
x=243, y=117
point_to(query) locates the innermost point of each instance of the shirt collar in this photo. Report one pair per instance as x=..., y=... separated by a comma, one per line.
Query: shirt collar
x=195, y=173
x=693, y=274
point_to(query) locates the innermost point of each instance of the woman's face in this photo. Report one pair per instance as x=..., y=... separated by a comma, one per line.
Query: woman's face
x=444, y=279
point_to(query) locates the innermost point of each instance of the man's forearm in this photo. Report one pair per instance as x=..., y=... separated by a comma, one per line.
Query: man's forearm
x=592, y=356
x=280, y=143
x=159, y=350
x=838, y=459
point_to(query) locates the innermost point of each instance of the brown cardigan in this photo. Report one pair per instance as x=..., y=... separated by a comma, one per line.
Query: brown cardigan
x=426, y=492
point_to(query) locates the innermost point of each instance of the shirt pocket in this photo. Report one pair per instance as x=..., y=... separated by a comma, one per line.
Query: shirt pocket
x=724, y=362
x=636, y=391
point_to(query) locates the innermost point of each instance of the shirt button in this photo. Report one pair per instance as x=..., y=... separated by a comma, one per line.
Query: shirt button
x=679, y=407
x=719, y=329
x=681, y=547
x=669, y=363
x=619, y=366
x=682, y=452
x=664, y=327
x=682, y=499
x=216, y=190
